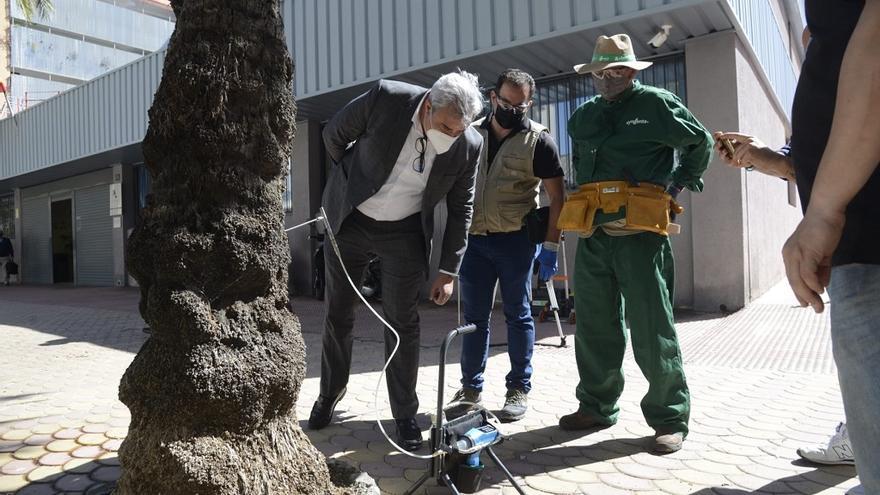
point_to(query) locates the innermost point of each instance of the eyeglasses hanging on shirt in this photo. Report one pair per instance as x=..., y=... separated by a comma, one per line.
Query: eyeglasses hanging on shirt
x=421, y=146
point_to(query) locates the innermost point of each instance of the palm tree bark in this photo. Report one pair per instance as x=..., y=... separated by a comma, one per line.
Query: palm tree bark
x=212, y=391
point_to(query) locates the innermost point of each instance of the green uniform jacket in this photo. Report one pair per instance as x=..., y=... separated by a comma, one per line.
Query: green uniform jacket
x=636, y=137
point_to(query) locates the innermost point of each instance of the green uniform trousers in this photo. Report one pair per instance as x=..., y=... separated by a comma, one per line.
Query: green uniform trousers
x=639, y=270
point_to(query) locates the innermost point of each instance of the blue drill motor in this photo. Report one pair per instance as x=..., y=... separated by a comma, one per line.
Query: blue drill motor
x=474, y=441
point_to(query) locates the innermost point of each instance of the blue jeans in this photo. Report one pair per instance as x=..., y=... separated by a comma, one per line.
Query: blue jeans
x=855, y=336
x=508, y=258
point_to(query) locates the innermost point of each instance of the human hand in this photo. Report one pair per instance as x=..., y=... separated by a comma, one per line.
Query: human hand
x=807, y=255
x=747, y=149
x=441, y=290
x=547, y=263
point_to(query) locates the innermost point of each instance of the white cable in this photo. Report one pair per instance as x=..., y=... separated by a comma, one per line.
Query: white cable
x=335, y=246
x=393, y=352
x=458, y=298
x=316, y=219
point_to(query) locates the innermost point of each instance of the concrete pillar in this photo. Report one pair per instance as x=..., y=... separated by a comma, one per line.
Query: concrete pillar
x=771, y=212
x=19, y=235
x=116, y=209
x=130, y=212
x=718, y=222
x=307, y=173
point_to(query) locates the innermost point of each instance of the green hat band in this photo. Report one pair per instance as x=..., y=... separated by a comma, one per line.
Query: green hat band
x=625, y=57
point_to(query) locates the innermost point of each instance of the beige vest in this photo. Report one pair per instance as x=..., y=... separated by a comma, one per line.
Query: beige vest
x=508, y=190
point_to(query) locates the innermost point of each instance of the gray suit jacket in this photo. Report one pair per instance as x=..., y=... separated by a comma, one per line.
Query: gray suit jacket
x=378, y=122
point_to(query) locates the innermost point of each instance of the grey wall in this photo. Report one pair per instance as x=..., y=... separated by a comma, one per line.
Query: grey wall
x=717, y=214
x=106, y=113
x=741, y=220
x=770, y=218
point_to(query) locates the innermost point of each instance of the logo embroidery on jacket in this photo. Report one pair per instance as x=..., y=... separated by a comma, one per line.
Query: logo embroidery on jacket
x=637, y=121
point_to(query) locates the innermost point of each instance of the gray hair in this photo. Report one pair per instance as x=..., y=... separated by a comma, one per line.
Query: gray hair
x=461, y=91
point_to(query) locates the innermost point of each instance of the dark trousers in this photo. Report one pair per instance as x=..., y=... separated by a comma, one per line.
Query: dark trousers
x=401, y=248
x=507, y=258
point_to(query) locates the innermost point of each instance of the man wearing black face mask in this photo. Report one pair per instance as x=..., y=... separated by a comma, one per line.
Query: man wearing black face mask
x=518, y=156
x=624, y=143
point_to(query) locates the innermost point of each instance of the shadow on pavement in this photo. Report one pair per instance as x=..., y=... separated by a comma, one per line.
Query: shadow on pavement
x=91, y=478
x=799, y=483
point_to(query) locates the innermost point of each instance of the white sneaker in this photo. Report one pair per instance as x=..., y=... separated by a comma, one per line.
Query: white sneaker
x=838, y=450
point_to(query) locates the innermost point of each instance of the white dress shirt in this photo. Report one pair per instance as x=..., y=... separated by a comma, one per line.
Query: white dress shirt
x=401, y=195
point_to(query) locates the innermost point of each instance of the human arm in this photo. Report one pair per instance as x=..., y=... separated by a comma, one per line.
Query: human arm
x=851, y=157
x=349, y=123
x=694, y=143
x=750, y=151
x=459, y=213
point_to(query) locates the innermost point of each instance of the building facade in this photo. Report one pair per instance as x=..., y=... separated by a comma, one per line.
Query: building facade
x=735, y=63
x=78, y=41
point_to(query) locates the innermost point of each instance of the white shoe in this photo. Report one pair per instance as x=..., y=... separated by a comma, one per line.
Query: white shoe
x=838, y=450
x=856, y=490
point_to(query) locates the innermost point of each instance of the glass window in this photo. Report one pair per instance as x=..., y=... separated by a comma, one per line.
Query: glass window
x=7, y=215
x=127, y=25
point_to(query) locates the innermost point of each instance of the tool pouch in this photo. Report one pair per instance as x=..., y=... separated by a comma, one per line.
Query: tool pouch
x=647, y=209
x=578, y=212
x=647, y=206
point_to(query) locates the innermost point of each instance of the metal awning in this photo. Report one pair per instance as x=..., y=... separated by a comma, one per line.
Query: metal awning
x=554, y=55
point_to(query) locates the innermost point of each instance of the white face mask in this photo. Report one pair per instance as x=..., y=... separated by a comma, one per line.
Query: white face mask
x=441, y=142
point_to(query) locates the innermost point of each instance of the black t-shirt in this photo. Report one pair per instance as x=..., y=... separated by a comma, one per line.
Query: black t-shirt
x=831, y=24
x=545, y=164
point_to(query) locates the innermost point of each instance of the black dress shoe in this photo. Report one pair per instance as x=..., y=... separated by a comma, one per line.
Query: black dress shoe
x=409, y=436
x=322, y=411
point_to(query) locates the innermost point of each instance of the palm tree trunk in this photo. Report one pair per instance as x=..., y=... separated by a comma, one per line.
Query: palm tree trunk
x=212, y=392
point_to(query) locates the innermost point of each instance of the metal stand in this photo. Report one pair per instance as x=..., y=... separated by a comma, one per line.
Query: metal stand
x=435, y=465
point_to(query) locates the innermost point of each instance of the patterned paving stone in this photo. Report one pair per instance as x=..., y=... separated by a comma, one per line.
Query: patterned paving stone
x=54, y=459
x=116, y=433
x=548, y=484
x=16, y=435
x=96, y=428
x=45, y=474
x=62, y=446
x=38, y=439
x=106, y=473
x=87, y=452
x=698, y=478
x=573, y=475
x=11, y=483
x=18, y=467
x=29, y=452
x=109, y=459
x=741, y=416
x=642, y=471
x=67, y=433
x=37, y=489
x=78, y=466
x=601, y=489
x=91, y=439
x=73, y=483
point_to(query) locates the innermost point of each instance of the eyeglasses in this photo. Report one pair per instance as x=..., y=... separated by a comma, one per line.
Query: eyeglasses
x=520, y=109
x=615, y=72
x=421, y=146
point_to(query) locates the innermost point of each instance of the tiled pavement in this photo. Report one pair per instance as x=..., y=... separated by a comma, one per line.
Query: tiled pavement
x=762, y=382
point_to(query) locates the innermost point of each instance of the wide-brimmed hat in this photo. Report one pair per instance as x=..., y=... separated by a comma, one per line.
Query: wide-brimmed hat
x=616, y=51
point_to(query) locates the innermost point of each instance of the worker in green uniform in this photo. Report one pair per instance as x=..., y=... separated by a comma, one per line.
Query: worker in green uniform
x=625, y=140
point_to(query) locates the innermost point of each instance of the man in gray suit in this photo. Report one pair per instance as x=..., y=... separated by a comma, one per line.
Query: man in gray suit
x=412, y=147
